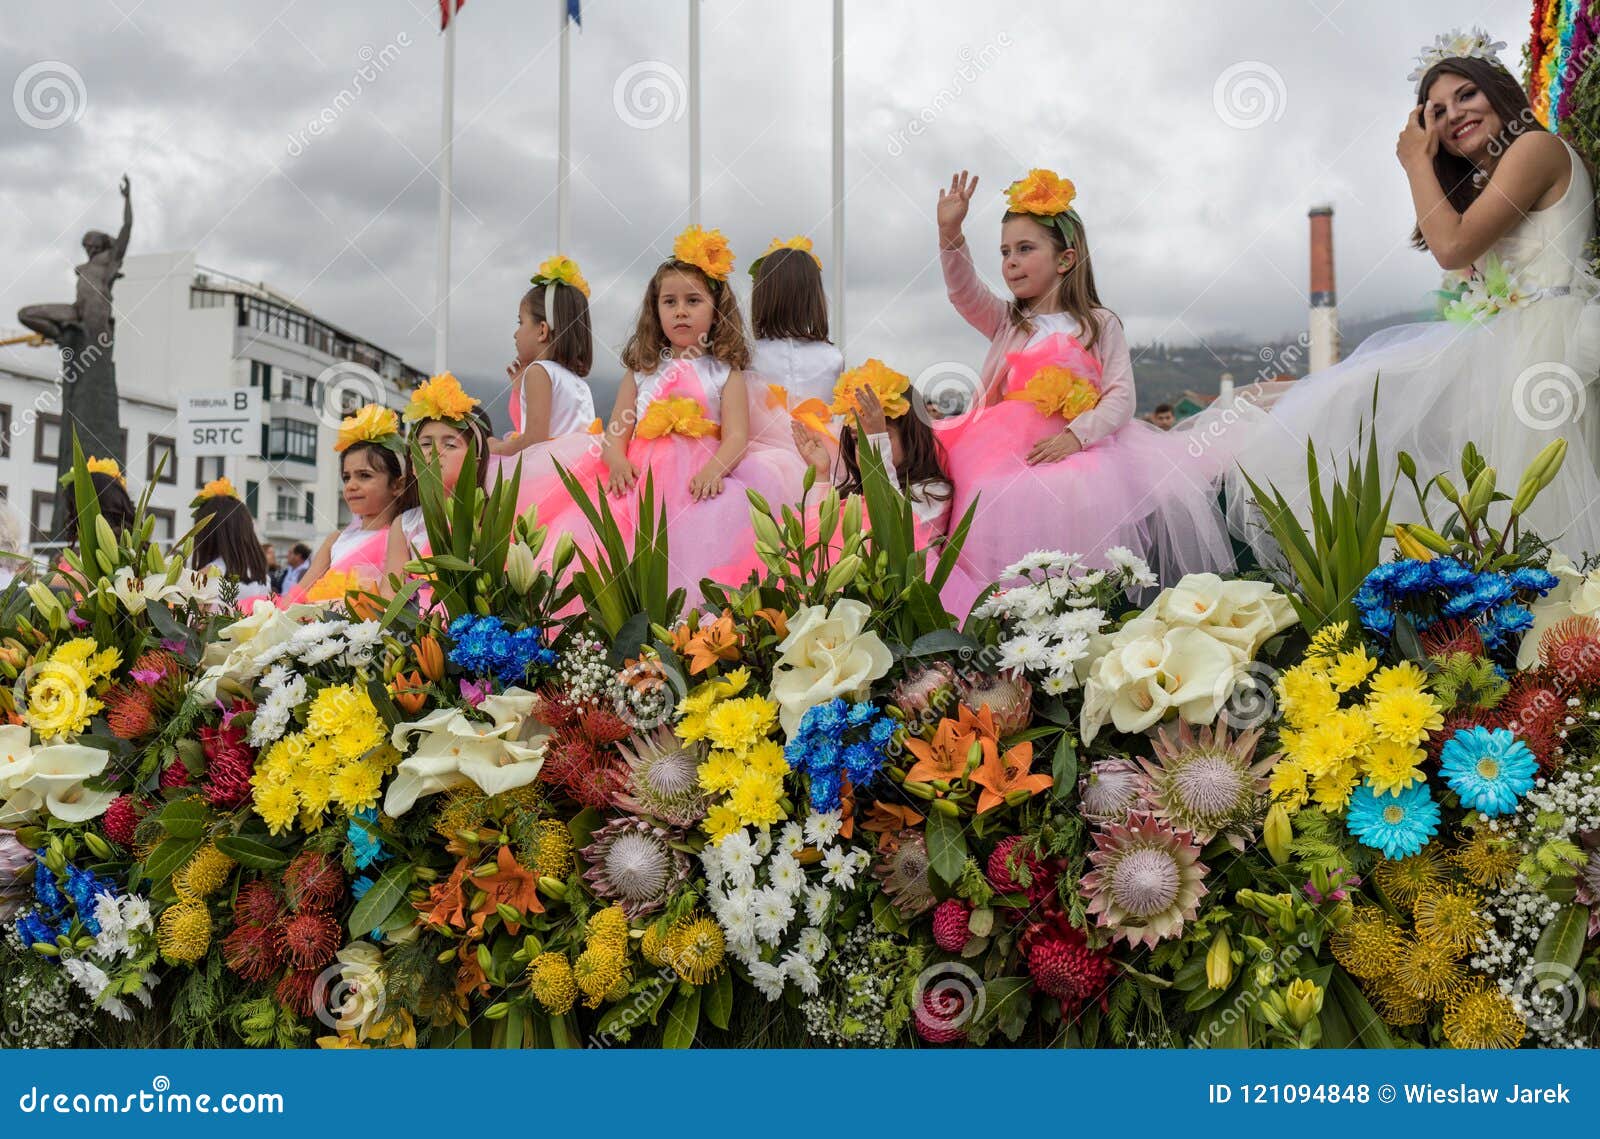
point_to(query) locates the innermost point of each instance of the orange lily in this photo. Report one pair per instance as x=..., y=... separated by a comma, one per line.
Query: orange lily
x=512, y=884
x=410, y=692
x=777, y=618
x=1001, y=777
x=887, y=820
x=717, y=641
x=944, y=758
x=430, y=657
x=448, y=907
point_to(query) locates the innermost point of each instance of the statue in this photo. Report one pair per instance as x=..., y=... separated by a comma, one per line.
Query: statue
x=84, y=331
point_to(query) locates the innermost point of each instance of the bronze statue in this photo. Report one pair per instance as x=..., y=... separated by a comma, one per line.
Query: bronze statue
x=84, y=331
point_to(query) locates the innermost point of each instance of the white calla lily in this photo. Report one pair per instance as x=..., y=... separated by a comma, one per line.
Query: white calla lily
x=452, y=750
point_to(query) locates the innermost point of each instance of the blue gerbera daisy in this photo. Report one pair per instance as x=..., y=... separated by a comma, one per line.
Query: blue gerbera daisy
x=1489, y=768
x=1399, y=824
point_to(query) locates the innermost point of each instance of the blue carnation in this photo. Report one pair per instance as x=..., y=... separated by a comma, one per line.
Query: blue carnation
x=1399, y=824
x=1532, y=579
x=1491, y=589
x=1412, y=577
x=1451, y=573
x=838, y=739
x=44, y=885
x=1489, y=769
x=365, y=846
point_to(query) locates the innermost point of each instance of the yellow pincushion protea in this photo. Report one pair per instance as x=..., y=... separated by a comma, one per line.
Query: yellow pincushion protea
x=1055, y=390
x=184, y=932
x=551, y=981
x=561, y=270
x=705, y=249
x=372, y=423
x=1042, y=193
x=441, y=397
x=675, y=415
x=891, y=387
x=98, y=466
x=204, y=874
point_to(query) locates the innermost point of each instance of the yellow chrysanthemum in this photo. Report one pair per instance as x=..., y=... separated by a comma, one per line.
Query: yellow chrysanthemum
x=372, y=423
x=440, y=397
x=184, y=932
x=705, y=249
x=756, y=799
x=1306, y=697
x=1327, y=641
x=889, y=385
x=799, y=241
x=204, y=874
x=1041, y=192
x=1288, y=784
x=1337, y=740
x=278, y=805
x=1395, y=677
x=1351, y=669
x=563, y=270
x=333, y=710
x=356, y=785
x=1367, y=943
x=1333, y=789
x=551, y=981
x=675, y=415
x=1483, y=1017
x=766, y=758
x=738, y=725
x=720, y=821
x=1054, y=390
x=1405, y=715
x=1393, y=767
x=1451, y=916
x=695, y=948
x=1403, y=880
x=217, y=488
x=320, y=756
x=95, y=465
x=720, y=771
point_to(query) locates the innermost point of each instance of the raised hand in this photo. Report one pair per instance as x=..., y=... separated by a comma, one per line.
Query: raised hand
x=869, y=411
x=807, y=442
x=1418, y=142
x=953, y=205
x=123, y=186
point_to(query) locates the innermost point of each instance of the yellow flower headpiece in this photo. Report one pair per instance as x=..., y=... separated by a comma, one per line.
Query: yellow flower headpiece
x=1047, y=197
x=441, y=397
x=216, y=488
x=372, y=423
x=99, y=466
x=800, y=242
x=560, y=270
x=891, y=387
x=705, y=249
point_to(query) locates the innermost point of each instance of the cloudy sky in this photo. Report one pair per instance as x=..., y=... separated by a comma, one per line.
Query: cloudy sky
x=1198, y=135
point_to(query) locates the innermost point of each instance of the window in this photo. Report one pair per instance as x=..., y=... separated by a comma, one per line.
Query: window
x=311, y=392
x=161, y=460
x=165, y=528
x=207, y=470
x=291, y=439
x=261, y=377
x=47, y=439
x=311, y=507
x=288, y=509
x=286, y=388
x=41, y=517
x=252, y=497
x=5, y=431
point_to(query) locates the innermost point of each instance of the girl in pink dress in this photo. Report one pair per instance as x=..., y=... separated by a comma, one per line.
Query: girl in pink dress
x=1051, y=450
x=794, y=364
x=552, y=409
x=682, y=416
x=373, y=480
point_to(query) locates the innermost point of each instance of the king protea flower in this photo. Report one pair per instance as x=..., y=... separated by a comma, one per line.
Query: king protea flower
x=633, y=862
x=1008, y=696
x=1147, y=880
x=1206, y=783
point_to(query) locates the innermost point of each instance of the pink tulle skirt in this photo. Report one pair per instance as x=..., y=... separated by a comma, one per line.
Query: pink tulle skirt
x=1137, y=488
x=538, y=484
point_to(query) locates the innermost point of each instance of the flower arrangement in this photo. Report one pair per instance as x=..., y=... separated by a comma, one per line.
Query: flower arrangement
x=439, y=397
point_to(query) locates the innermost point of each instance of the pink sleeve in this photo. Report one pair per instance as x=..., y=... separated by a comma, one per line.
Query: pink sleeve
x=1116, y=385
x=976, y=304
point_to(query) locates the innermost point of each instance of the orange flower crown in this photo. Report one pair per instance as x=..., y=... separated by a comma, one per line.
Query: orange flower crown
x=216, y=488
x=560, y=270
x=799, y=241
x=707, y=250
x=1047, y=197
x=891, y=387
x=98, y=466
x=372, y=423
x=441, y=397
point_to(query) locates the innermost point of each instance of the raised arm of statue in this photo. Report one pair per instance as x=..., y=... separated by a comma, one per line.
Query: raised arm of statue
x=121, y=247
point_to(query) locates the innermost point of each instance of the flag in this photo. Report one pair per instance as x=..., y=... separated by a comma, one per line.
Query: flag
x=572, y=12
x=445, y=11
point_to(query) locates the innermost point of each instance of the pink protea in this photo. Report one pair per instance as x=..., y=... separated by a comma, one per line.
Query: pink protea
x=175, y=774
x=121, y=820
x=1147, y=880
x=1008, y=696
x=1208, y=782
x=1112, y=789
x=950, y=931
x=926, y=693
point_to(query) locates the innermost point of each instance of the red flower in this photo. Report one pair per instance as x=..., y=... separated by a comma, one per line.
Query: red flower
x=313, y=881
x=1063, y=966
x=1570, y=653
x=297, y=992
x=309, y=940
x=252, y=951
x=121, y=819
x=950, y=930
x=257, y=904
x=175, y=774
x=229, y=764
x=130, y=712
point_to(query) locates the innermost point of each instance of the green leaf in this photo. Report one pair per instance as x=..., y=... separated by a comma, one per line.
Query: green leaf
x=1006, y=1003
x=1366, y=1026
x=719, y=999
x=947, y=847
x=380, y=901
x=252, y=853
x=941, y=641
x=165, y=859
x=185, y=818
x=1064, y=768
x=683, y=1021
x=1561, y=943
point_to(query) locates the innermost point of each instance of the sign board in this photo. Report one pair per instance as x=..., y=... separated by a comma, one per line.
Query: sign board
x=222, y=422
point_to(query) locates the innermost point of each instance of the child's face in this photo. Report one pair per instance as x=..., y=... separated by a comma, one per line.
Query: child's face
x=685, y=310
x=446, y=445
x=368, y=490
x=531, y=336
x=1029, y=261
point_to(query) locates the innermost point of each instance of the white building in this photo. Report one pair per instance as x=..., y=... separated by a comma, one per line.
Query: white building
x=181, y=328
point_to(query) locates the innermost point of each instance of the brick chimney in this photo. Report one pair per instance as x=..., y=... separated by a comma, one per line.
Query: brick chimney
x=1324, y=322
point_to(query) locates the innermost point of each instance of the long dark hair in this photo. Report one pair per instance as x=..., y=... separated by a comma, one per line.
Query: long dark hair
x=115, y=506
x=572, y=343
x=389, y=463
x=1457, y=175
x=649, y=346
x=228, y=532
x=787, y=300
x=921, y=459
x=1075, y=292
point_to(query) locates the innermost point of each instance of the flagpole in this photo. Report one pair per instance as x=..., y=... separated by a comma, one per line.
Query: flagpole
x=441, y=315
x=564, y=137
x=838, y=173
x=694, y=112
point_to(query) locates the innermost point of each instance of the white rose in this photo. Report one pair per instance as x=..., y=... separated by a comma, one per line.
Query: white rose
x=827, y=653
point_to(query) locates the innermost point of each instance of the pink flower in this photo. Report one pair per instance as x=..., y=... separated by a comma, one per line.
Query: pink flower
x=147, y=675
x=77, y=621
x=475, y=692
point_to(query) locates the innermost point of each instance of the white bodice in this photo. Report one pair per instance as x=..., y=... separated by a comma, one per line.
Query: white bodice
x=571, y=401
x=1545, y=249
x=1050, y=323
x=806, y=369
x=347, y=541
x=713, y=376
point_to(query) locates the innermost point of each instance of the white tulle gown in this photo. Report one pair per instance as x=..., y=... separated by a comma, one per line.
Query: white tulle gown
x=1510, y=381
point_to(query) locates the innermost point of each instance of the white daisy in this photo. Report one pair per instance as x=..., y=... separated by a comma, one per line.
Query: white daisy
x=773, y=912
x=785, y=874
x=791, y=838
x=840, y=867
x=817, y=900
x=767, y=978
x=822, y=827
x=799, y=969
x=813, y=943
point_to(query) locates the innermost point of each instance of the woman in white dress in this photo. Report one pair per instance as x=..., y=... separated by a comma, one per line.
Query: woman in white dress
x=1512, y=366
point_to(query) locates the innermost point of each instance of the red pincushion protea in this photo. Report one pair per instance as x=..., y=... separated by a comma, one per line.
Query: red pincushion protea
x=591, y=774
x=297, y=992
x=1570, y=653
x=253, y=951
x=313, y=881
x=309, y=940
x=1533, y=709
x=950, y=930
x=130, y=711
x=1454, y=722
x=603, y=726
x=1453, y=635
x=229, y=764
x=1063, y=966
x=257, y=904
x=175, y=774
x=122, y=817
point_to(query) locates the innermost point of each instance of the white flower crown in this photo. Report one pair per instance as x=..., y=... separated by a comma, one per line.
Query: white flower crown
x=1456, y=44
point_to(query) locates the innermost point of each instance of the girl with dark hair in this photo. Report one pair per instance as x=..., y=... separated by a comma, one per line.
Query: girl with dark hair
x=110, y=490
x=1508, y=209
x=373, y=480
x=552, y=409
x=793, y=363
x=226, y=540
x=1049, y=447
